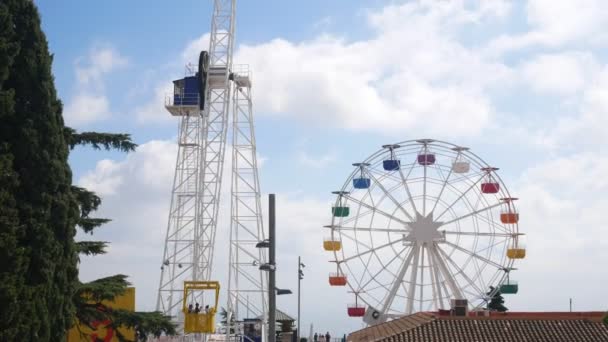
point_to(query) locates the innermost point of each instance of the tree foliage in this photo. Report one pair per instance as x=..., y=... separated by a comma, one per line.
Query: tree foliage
x=224, y=320
x=497, y=301
x=107, y=141
x=40, y=210
x=89, y=297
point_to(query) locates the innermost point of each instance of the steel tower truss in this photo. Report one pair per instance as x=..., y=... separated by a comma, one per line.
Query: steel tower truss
x=246, y=283
x=193, y=217
x=178, y=261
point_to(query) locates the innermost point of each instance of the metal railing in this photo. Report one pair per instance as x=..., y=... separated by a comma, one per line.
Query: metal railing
x=188, y=99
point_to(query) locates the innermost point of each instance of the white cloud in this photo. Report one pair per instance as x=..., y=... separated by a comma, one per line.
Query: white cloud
x=101, y=60
x=193, y=49
x=84, y=108
x=585, y=128
x=555, y=23
x=413, y=74
x=151, y=166
x=154, y=111
x=105, y=179
x=89, y=103
x=372, y=85
x=564, y=20
x=560, y=74
x=561, y=209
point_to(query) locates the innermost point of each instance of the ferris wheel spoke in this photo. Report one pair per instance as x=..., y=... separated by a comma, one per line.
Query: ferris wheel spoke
x=460, y=270
x=357, y=217
x=376, y=210
x=493, y=224
x=475, y=255
x=380, y=230
x=436, y=286
x=443, y=186
x=448, y=232
x=384, y=268
x=357, y=242
x=447, y=275
x=472, y=213
x=469, y=176
x=421, y=275
x=398, y=280
x=434, y=283
x=370, y=251
x=460, y=197
x=413, y=275
x=407, y=188
x=424, y=192
x=388, y=194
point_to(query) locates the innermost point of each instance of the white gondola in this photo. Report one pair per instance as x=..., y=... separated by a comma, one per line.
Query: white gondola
x=460, y=164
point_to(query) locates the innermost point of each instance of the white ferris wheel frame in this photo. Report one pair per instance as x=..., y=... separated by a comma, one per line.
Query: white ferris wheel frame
x=453, y=270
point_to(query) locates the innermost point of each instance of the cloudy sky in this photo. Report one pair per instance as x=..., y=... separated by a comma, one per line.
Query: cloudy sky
x=523, y=83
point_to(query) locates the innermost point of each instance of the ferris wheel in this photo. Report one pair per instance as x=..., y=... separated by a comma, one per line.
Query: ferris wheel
x=420, y=224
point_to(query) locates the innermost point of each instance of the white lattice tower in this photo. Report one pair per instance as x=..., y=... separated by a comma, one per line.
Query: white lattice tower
x=247, y=285
x=193, y=218
x=196, y=192
x=215, y=127
x=178, y=261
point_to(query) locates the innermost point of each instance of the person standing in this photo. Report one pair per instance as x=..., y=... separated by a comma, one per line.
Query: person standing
x=315, y=338
x=327, y=337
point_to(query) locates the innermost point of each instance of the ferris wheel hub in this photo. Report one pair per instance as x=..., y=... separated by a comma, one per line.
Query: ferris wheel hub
x=424, y=230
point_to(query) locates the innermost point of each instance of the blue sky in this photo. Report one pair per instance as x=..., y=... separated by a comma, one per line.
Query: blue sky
x=523, y=83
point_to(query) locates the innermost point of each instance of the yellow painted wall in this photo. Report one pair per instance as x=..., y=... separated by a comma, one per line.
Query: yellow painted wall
x=125, y=302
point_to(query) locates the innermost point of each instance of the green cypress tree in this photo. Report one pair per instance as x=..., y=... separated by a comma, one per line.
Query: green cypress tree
x=40, y=295
x=38, y=212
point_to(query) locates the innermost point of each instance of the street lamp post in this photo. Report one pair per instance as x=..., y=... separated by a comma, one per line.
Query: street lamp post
x=272, y=299
x=270, y=267
x=300, y=277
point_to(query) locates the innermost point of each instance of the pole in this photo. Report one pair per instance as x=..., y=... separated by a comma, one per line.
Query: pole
x=299, y=281
x=272, y=280
x=570, y=304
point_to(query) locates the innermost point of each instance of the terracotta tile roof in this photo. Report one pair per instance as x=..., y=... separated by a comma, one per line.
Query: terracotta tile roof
x=394, y=327
x=511, y=327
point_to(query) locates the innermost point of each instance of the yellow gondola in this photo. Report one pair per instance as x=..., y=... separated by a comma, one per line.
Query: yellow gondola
x=516, y=253
x=332, y=245
x=202, y=322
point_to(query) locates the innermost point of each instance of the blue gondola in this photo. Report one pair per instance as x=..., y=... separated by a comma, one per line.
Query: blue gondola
x=391, y=164
x=361, y=183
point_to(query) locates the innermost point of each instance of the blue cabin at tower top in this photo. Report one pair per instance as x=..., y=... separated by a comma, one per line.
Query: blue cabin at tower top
x=186, y=91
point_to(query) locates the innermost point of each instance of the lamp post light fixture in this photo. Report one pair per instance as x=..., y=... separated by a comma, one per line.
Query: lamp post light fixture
x=267, y=267
x=263, y=244
x=283, y=292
